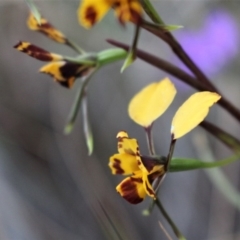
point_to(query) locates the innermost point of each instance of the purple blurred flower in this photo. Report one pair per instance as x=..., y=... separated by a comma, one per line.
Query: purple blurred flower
x=215, y=44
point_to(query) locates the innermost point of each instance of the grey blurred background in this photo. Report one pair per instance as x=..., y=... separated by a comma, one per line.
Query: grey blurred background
x=50, y=188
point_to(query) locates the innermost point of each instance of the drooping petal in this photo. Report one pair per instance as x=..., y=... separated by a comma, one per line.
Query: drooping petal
x=149, y=178
x=128, y=10
x=65, y=72
x=132, y=189
x=151, y=102
x=92, y=11
x=147, y=186
x=37, y=52
x=192, y=112
x=127, y=145
x=46, y=28
x=123, y=163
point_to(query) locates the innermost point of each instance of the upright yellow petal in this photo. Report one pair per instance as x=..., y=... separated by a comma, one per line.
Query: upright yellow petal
x=92, y=11
x=127, y=145
x=151, y=102
x=192, y=112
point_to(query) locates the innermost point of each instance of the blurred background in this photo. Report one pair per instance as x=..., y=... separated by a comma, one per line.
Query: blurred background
x=51, y=188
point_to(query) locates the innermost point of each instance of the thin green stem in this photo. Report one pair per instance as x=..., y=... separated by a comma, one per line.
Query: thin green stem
x=75, y=108
x=132, y=52
x=177, y=232
x=150, y=142
x=170, y=153
x=86, y=125
x=74, y=46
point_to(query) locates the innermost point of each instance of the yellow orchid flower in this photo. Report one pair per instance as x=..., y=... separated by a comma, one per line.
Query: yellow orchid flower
x=46, y=28
x=92, y=11
x=63, y=71
x=153, y=100
x=142, y=170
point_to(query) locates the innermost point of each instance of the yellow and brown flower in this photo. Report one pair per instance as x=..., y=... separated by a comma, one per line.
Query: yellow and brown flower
x=46, y=28
x=92, y=11
x=142, y=170
x=62, y=70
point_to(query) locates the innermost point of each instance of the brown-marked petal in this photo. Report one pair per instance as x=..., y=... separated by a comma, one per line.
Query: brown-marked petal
x=92, y=11
x=147, y=186
x=128, y=145
x=46, y=28
x=132, y=189
x=192, y=112
x=128, y=10
x=65, y=72
x=37, y=52
x=123, y=163
x=151, y=102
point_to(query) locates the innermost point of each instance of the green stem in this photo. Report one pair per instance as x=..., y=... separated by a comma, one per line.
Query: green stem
x=150, y=143
x=171, y=150
x=132, y=51
x=75, y=47
x=87, y=126
x=177, y=232
x=77, y=103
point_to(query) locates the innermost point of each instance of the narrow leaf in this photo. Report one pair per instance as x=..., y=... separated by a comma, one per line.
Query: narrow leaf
x=74, y=110
x=87, y=126
x=182, y=164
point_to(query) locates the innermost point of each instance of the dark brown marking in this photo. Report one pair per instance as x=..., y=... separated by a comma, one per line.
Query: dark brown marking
x=34, y=51
x=149, y=162
x=117, y=166
x=91, y=15
x=129, y=190
x=119, y=145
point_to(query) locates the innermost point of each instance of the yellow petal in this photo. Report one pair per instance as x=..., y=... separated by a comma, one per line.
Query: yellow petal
x=192, y=112
x=132, y=189
x=37, y=52
x=127, y=145
x=128, y=10
x=92, y=11
x=147, y=186
x=123, y=163
x=65, y=72
x=46, y=28
x=151, y=102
